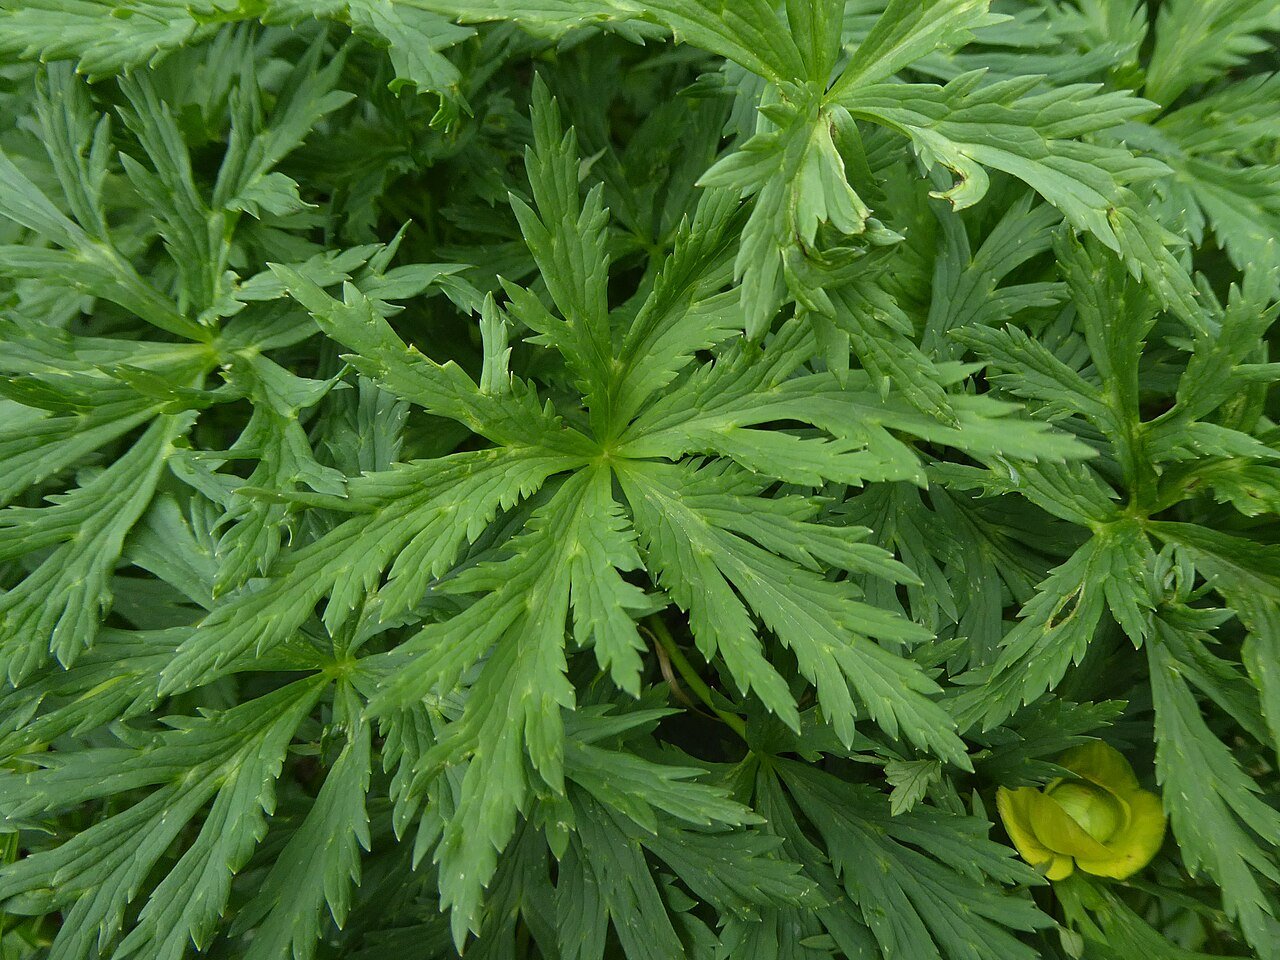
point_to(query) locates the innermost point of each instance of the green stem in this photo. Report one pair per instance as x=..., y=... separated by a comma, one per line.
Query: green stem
x=690, y=676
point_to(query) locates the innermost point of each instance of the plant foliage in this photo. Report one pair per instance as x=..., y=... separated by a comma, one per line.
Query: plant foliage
x=583, y=479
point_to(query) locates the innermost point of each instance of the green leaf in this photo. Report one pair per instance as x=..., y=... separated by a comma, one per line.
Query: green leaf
x=1199, y=41
x=1109, y=924
x=877, y=330
x=1230, y=118
x=194, y=233
x=58, y=607
x=1247, y=575
x=896, y=369
x=919, y=904
x=816, y=28
x=710, y=415
x=413, y=519
x=519, y=621
x=909, y=30
x=232, y=758
x=260, y=140
x=684, y=313
x=604, y=604
x=910, y=779
x=643, y=791
x=824, y=623
x=442, y=389
x=797, y=176
x=748, y=33
x=104, y=43
x=319, y=863
x=87, y=31
x=38, y=450
x=967, y=126
x=589, y=896
x=113, y=680
x=1214, y=805
x=567, y=240
x=966, y=290
x=1241, y=203
x=1032, y=370
x=415, y=40
x=1059, y=622
x=714, y=409
x=92, y=266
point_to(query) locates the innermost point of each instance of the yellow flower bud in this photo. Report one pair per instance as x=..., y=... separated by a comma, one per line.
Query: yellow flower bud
x=1102, y=822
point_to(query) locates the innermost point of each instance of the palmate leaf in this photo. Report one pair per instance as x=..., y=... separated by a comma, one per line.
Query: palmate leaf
x=115, y=679
x=1030, y=369
x=1111, y=927
x=275, y=437
x=86, y=30
x=68, y=417
x=1195, y=42
x=77, y=142
x=414, y=37
x=687, y=520
x=899, y=521
x=985, y=465
x=731, y=870
x=43, y=446
x=574, y=572
x=685, y=312
x=232, y=758
x=92, y=267
x=789, y=931
x=796, y=167
x=798, y=179
x=319, y=863
x=58, y=607
x=749, y=33
x=1247, y=575
x=737, y=870
x=1068, y=42
x=909, y=30
x=1242, y=203
x=193, y=232
x=715, y=410
x=966, y=291
x=1060, y=621
x=412, y=519
x=513, y=708
x=916, y=904
x=442, y=389
x=1221, y=823
x=260, y=138
x=1233, y=465
x=888, y=356
x=1229, y=120
x=956, y=125
x=567, y=241
x=92, y=33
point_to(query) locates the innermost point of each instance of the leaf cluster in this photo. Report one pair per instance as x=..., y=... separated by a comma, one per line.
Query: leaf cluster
x=585, y=479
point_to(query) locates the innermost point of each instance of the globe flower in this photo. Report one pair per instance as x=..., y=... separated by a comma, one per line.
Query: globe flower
x=1102, y=822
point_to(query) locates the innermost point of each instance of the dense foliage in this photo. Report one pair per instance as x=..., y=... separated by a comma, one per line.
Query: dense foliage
x=572, y=479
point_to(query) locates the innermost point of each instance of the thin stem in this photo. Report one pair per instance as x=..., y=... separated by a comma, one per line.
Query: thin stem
x=690, y=675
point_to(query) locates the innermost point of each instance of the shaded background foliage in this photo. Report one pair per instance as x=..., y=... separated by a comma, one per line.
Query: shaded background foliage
x=494, y=475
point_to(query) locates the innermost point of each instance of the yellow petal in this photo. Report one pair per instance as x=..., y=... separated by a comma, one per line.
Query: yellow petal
x=1098, y=811
x=1056, y=831
x=1101, y=764
x=1131, y=850
x=1016, y=816
x=1061, y=868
